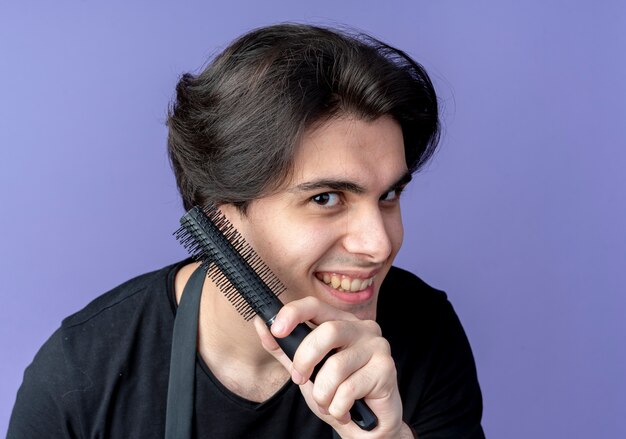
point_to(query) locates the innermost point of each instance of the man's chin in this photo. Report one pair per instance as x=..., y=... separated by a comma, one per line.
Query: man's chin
x=362, y=311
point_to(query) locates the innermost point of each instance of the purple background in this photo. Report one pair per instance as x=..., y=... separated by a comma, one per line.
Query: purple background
x=520, y=218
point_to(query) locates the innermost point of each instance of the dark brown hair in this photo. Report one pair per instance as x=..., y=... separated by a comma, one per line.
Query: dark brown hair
x=234, y=128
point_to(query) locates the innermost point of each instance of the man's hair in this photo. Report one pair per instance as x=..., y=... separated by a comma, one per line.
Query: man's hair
x=234, y=128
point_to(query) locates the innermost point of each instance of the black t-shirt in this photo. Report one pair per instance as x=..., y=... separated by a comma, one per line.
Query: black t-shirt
x=104, y=373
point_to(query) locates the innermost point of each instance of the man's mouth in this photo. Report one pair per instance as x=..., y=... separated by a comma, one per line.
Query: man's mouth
x=342, y=282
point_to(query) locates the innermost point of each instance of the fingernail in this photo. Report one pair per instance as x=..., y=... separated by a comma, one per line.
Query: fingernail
x=277, y=327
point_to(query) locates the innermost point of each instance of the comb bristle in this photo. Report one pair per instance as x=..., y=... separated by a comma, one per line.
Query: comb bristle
x=230, y=292
x=243, y=248
x=202, y=233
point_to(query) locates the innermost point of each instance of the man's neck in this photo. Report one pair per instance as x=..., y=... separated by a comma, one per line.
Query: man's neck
x=230, y=346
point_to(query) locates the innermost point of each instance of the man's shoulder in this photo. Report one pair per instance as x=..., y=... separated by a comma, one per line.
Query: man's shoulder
x=434, y=362
x=125, y=295
x=115, y=329
x=105, y=359
x=108, y=331
x=399, y=279
x=406, y=300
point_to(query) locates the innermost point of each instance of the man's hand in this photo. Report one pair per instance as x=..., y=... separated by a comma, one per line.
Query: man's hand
x=361, y=367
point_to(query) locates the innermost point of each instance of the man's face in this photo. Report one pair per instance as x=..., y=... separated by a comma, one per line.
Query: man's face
x=333, y=230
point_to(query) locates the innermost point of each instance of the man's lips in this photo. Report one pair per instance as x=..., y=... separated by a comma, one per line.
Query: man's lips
x=344, y=282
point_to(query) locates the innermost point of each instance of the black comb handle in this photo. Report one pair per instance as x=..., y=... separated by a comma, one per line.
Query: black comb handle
x=360, y=413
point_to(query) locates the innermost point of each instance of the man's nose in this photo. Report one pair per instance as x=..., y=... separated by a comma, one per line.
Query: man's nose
x=367, y=235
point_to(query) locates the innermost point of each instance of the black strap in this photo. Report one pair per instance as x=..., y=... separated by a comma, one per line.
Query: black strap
x=180, y=390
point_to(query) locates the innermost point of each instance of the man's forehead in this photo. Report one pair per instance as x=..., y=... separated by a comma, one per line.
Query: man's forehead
x=350, y=154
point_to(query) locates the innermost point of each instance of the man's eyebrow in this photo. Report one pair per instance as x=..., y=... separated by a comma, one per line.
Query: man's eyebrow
x=329, y=184
x=345, y=185
x=402, y=181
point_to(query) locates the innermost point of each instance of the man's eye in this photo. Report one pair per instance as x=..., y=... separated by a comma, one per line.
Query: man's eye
x=327, y=199
x=391, y=195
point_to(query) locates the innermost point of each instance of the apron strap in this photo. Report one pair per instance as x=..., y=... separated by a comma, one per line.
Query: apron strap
x=180, y=390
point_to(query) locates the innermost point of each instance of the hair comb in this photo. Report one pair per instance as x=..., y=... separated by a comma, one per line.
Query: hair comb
x=246, y=281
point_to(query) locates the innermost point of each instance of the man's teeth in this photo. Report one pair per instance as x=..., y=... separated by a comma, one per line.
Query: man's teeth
x=345, y=283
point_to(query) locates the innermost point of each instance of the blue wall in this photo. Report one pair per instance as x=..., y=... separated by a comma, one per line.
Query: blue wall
x=520, y=217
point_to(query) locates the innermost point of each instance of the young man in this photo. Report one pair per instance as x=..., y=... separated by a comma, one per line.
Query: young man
x=305, y=138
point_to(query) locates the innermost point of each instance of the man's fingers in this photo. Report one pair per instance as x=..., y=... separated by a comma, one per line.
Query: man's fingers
x=308, y=309
x=269, y=344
